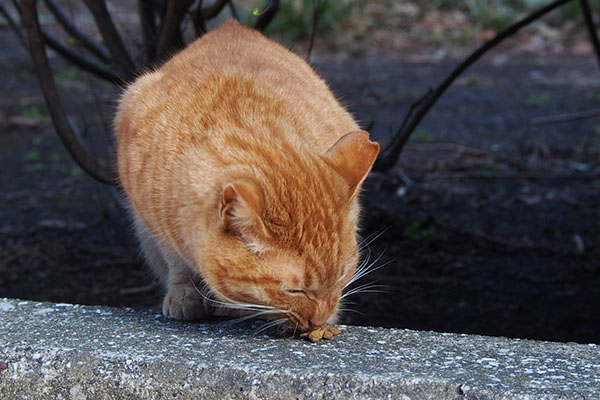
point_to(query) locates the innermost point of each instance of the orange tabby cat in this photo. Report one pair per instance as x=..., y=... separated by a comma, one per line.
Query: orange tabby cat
x=242, y=171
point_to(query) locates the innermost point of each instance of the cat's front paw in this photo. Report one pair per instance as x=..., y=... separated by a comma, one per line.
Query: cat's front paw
x=183, y=304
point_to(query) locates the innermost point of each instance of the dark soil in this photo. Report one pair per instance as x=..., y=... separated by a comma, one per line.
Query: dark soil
x=490, y=224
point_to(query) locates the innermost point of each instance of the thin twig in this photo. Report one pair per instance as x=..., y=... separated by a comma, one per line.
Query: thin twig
x=148, y=27
x=13, y=24
x=318, y=7
x=70, y=55
x=266, y=16
x=589, y=23
x=84, y=159
x=197, y=20
x=210, y=11
x=96, y=48
x=234, y=12
x=106, y=125
x=391, y=153
x=170, y=33
x=86, y=63
x=409, y=114
x=118, y=196
x=551, y=119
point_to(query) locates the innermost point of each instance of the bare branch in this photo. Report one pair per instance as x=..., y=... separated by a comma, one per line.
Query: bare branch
x=212, y=10
x=267, y=15
x=84, y=159
x=413, y=107
x=390, y=155
x=89, y=43
x=589, y=23
x=199, y=15
x=111, y=38
x=170, y=34
x=197, y=20
x=233, y=10
x=318, y=7
x=574, y=116
x=98, y=69
x=148, y=25
x=13, y=24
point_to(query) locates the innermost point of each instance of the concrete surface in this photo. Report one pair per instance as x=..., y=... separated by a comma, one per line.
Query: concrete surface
x=63, y=351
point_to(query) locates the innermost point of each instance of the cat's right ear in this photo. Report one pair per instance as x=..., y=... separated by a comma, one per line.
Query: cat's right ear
x=352, y=156
x=241, y=207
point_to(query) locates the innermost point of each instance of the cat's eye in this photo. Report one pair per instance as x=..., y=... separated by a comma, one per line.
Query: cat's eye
x=297, y=292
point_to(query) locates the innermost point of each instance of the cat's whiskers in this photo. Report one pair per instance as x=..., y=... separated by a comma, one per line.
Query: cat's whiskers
x=359, y=269
x=293, y=317
x=350, y=309
x=366, y=288
x=364, y=264
x=236, y=305
x=295, y=328
x=365, y=242
x=255, y=309
x=270, y=324
x=365, y=269
x=362, y=267
x=251, y=316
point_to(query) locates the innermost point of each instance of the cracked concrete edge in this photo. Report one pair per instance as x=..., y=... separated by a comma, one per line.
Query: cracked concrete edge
x=63, y=351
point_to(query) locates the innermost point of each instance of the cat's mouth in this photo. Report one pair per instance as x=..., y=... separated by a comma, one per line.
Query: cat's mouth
x=297, y=321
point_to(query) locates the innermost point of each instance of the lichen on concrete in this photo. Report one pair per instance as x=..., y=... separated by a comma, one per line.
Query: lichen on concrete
x=64, y=351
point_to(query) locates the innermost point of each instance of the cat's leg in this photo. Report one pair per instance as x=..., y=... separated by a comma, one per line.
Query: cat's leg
x=182, y=300
x=151, y=251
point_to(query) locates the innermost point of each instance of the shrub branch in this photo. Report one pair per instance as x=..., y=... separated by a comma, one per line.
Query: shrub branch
x=94, y=47
x=392, y=152
x=89, y=163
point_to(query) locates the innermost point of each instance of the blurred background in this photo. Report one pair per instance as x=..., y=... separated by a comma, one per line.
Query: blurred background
x=487, y=221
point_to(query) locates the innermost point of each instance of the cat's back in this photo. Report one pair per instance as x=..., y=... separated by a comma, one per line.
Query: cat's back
x=235, y=74
x=237, y=50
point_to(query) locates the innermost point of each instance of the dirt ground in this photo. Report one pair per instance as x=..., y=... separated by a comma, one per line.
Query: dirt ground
x=490, y=224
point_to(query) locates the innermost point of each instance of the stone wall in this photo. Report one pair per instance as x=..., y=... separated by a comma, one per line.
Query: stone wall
x=64, y=351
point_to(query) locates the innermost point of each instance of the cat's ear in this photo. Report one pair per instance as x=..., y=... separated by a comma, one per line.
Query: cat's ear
x=352, y=156
x=241, y=208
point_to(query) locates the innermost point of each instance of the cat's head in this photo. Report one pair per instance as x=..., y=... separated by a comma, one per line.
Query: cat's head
x=285, y=242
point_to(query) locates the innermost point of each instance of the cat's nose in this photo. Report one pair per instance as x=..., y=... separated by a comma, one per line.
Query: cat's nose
x=318, y=320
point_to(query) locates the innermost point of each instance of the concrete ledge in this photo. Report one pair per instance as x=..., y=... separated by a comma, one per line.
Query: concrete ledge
x=63, y=351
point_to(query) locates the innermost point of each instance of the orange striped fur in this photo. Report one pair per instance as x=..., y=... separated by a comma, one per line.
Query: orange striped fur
x=242, y=170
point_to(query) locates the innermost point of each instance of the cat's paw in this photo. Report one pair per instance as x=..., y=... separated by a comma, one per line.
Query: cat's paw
x=183, y=304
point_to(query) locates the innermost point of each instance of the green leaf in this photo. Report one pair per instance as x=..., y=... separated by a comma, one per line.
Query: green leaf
x=32, y=155
x=538, y=99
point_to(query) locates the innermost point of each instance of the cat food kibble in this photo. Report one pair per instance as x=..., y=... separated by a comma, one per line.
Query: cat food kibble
x=323, y=332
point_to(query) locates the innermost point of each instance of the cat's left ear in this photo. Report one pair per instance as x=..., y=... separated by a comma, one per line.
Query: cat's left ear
x=241, y=208
x=352, y=156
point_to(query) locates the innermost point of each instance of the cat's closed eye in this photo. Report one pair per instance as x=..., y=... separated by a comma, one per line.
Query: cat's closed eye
x=297, y=292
